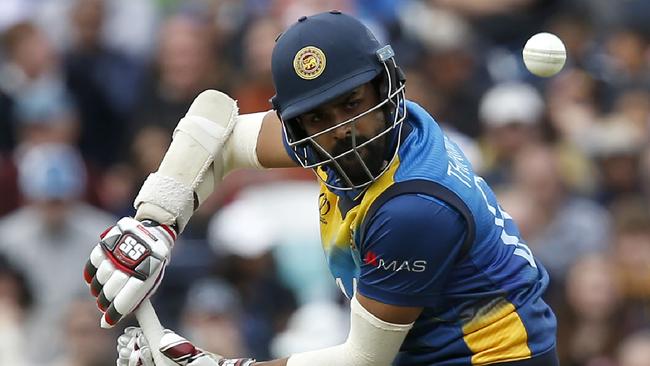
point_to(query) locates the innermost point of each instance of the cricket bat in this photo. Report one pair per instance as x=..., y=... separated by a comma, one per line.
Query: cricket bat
x=153, y=331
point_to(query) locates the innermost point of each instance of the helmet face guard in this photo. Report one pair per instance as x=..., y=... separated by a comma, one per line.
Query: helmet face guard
x=312, y=155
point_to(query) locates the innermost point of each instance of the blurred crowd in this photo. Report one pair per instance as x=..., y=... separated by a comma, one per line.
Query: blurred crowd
x=90, y=91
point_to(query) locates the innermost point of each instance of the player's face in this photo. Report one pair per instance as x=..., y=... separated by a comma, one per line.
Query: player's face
x=364, y=128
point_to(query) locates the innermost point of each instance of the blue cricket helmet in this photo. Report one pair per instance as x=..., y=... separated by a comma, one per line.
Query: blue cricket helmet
x=319, y=58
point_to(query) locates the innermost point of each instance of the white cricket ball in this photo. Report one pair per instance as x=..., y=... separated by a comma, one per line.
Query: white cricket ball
x=544, y=54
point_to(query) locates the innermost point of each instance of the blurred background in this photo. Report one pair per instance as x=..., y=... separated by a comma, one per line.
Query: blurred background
x=90, y=91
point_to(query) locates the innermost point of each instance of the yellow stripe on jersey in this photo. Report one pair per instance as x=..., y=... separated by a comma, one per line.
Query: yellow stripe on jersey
x=496, y=334
x=336, y=231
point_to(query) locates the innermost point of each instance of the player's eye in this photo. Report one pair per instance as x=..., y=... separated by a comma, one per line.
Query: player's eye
x=309, y=118
x=352, y=104
x=315, y=118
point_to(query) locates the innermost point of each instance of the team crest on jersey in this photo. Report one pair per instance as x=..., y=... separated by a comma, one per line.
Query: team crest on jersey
x=324, y=207
x=309, y=62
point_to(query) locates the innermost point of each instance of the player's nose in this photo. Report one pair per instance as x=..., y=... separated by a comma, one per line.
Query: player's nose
x=343, y=132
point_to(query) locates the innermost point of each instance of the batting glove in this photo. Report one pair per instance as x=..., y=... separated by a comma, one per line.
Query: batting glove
x=126, y=266
x=133, y=350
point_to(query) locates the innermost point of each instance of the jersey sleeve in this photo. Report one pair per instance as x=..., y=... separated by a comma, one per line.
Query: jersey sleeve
x=409, y=248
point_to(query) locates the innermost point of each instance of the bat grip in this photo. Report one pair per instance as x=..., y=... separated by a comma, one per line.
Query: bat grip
x=153, y=331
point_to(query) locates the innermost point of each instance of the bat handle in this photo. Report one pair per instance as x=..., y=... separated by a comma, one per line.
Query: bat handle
x=153, y=330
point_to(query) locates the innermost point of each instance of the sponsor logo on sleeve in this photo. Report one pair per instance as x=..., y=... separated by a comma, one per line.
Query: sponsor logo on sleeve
x=415, y=266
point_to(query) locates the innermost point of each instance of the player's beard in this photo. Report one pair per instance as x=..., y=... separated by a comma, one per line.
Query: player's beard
x=372, y=154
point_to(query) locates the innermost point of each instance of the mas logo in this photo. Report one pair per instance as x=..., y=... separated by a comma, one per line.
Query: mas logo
x=395, y=265
x=309, y=62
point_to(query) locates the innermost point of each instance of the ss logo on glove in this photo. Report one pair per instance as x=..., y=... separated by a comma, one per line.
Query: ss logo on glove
x=132, y=249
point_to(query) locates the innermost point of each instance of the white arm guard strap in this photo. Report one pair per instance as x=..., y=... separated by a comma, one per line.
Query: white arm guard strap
x=371, y=342
x=239, y=151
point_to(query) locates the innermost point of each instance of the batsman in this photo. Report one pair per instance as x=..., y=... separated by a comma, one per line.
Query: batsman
x=436, y=271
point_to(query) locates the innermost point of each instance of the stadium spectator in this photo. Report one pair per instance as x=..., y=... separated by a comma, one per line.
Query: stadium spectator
x=15, y=304
x=631, y=249
x=512, y=115
x=103, y=82
x=450, y=65
x=212, y=314
x=48, y=237
x=634, y=350
x=29, y=58
x=591, y=322
x=186, y=63
x=567, y=226
x=256, y=86
x=84, y=344
x=615, y=146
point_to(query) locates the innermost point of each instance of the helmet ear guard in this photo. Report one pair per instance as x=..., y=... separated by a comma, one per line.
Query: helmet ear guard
x=393, y=79
x=397, y=78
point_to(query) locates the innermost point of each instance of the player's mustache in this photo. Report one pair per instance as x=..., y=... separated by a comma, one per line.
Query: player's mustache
x=342, y=146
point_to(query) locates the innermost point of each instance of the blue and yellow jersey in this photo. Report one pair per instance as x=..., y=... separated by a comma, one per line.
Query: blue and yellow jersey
x=430, y=233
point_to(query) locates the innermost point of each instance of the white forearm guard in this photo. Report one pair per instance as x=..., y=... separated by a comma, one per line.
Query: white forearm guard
x=239, y=151
x=207, y=143
x=371, y=342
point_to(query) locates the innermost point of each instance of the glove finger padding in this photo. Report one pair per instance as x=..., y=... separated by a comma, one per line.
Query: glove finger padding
x=96, y=258
x=113, y=285
x=133, y=349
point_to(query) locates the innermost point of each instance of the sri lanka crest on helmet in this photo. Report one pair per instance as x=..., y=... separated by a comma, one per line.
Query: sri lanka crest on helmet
x=309, y=62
